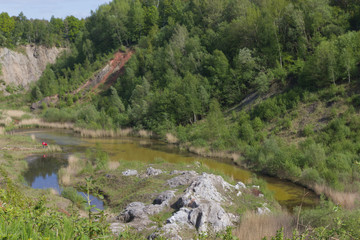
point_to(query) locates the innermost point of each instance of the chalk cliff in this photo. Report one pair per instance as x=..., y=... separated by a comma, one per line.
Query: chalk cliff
x=26, y=65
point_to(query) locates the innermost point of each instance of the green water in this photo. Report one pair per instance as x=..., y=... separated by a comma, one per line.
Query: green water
x=286, y=193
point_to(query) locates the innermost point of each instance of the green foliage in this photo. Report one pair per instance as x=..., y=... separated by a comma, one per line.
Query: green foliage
x=308, y=130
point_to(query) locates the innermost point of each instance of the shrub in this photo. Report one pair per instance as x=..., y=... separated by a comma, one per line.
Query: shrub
x=310, y=176
x=257, y=124
x=308, y=130
x=246, y=132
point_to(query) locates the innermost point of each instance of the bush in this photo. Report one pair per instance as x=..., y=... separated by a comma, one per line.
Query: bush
x=310, y=176
x=308, y=130
x=267, y=110
x=257, y=124
x=246, y=132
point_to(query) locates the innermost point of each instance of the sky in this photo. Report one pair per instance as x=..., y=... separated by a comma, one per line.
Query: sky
x=44, y=9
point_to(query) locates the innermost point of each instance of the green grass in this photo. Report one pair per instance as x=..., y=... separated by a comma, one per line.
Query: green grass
x=75, y=197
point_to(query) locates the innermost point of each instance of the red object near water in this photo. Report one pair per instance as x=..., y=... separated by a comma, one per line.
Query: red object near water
x=44, y=144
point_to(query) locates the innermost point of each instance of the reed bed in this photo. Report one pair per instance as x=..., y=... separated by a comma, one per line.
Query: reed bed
x=14, y=113
x=40, y=123
x=214, y=154
x=170, y=138
x=93, y=133
x=345, y=199
x=75, y=165
x=255, y=227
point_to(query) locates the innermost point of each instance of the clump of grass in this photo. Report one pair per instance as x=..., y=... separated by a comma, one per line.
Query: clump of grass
x=53, y=191
x=71, y=194
x=170, y=138
x=53, y=148
x=75, y=165
x=113, y=165
x=144, y=133
x=254, y=226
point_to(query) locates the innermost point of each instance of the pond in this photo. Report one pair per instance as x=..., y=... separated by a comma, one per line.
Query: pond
x=42, y=172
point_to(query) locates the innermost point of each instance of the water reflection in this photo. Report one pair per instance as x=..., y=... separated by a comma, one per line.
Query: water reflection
x=42, y=173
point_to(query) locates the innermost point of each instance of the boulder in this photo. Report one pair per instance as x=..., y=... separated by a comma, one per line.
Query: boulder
x=152, y=209
x=240, y=185
x=204, y=187
x=164, y=197
x=185, y=178
x=181, y=216
x=132, y=211
x=209, y=214
x=153, y=172
x=130, y=172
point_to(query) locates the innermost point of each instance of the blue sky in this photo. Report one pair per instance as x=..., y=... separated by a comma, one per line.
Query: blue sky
x=46, y=8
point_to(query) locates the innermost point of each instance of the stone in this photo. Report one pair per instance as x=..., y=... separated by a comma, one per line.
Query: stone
x=240, y=185
x=185, y=178
x=203, y=187
x=153, y=172
x=152, y=209
x=164, y=197
x=132, y=211
x=180, y=216
x=209, y=214
x=117, y=227
x=263, y=210
x=130, y=172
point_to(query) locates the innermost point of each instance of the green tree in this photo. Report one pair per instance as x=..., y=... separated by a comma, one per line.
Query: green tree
x=136, y=20
x=72, y=27
x=7, y=25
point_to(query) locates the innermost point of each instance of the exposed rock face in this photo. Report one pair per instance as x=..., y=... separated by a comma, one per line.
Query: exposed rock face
x=23, y=68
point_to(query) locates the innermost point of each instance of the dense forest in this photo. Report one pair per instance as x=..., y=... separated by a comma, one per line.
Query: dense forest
x=195, y=59
x=197, y=65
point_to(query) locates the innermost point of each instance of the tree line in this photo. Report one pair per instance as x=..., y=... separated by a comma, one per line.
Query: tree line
x=19, y=30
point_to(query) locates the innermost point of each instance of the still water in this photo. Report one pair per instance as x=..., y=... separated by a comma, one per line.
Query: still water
x=42, y=172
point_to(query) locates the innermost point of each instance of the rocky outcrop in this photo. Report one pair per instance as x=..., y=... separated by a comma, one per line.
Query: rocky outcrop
x=201, y=202
x=199, y=208
x=26, y=65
